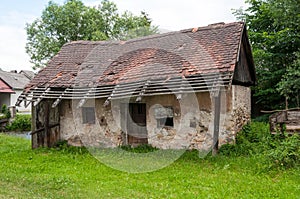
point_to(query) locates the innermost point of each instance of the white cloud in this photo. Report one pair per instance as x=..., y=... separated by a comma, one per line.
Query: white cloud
x=167, y=14
x=176, y=15
x=13, y=40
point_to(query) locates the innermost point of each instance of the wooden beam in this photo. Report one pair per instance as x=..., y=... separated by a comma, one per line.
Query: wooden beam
x=40, y=98
x=47, y=121
x=83, y=101
x=217, y=113
x=58, y=100
x=107, y=101
x=143, y=90
x=42, y=129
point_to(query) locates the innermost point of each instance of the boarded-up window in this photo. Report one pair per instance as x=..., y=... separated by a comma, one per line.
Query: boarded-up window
x=164, y=116
x=88, y=115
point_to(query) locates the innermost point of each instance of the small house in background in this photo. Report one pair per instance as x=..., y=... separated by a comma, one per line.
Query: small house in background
x=28, y=73
x=187, y=89
x=12, y=85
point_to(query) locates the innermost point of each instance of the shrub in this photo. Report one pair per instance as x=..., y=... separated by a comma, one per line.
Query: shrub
x=5, y=111
x=252, y=139
x=20, y=123
x=255, y=139
x=285, y=153
x=228, y=150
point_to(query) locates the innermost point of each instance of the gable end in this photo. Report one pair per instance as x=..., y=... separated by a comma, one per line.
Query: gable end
x=244, y=73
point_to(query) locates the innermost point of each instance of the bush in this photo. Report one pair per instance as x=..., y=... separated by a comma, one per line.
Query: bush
x=5, y=111
x=228, y=150
x=255, y=139
x=20, y=123
x=252, y=139
x=285, y=154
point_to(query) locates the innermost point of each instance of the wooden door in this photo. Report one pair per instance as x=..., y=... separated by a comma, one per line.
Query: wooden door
x=136, y=124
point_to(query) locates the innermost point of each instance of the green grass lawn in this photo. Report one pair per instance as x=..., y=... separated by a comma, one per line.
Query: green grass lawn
x=52, y=173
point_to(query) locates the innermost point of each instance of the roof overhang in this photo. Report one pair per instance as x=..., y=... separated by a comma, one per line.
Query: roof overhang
x=149, y=87
x=5, y=88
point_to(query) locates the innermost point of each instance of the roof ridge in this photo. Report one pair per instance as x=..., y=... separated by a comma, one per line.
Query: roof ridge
x=213, y=26
x=120, y=42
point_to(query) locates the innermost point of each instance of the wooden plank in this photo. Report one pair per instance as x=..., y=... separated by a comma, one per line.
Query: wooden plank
x=42, y=129
x=217, y=113
x=292, y=127
x=47, y=129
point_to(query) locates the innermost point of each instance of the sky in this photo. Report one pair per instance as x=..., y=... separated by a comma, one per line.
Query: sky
x=170, y=15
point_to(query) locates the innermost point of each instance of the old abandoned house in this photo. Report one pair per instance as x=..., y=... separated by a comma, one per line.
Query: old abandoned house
x=181, y=89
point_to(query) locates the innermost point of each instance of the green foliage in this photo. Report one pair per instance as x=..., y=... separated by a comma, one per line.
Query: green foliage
x=143, y=148
x=74, y=21
x=64, y=147
x=262, y=118
x=285, y=154
x=4, y=108
x=5, y=111
x=289, y=86
x=228, y=150
x=251, y=140
x=276, y=151
x=20, y=123
x=275, y=39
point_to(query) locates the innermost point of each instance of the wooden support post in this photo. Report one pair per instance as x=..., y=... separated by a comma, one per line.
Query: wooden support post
x=34, y=138
x=217, y=113
x=126, y=123
x=47, y=129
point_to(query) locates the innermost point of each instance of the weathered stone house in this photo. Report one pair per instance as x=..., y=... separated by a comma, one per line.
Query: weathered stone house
x=176, y=90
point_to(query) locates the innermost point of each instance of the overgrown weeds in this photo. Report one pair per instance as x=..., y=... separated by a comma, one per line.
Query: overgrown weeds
x=279, y=151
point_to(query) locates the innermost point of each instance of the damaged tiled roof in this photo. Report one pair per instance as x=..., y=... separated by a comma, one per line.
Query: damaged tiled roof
x=203, y=50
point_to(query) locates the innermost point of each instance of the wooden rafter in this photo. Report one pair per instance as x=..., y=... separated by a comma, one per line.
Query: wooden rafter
x=39, y=99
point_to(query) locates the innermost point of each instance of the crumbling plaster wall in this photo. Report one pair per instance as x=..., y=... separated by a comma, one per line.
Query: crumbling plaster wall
x=239, y=114
x=106, y=131
x=193, y=120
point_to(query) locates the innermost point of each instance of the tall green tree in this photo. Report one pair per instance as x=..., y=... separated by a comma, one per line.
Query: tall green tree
x=73, y=21
x=275, y=36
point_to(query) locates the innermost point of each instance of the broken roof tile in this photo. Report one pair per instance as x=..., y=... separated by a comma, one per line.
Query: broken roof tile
x=201, y=50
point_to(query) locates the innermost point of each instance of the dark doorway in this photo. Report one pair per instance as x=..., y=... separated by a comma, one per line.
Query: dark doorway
x=134, y=117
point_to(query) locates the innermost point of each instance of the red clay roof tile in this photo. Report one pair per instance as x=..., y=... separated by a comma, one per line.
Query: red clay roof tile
x=209, y=49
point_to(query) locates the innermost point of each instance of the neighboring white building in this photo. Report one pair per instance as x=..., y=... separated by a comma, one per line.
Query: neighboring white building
x=16, y=82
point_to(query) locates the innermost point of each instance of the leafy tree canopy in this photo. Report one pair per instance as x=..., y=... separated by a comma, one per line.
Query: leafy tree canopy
x=73, y=21
x=274, y=31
